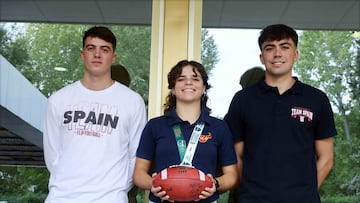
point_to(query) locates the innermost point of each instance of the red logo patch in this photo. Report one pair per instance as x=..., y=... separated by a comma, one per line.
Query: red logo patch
x=205, y=138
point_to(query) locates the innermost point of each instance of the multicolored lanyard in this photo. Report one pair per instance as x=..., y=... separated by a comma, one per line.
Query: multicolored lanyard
x=187, y=153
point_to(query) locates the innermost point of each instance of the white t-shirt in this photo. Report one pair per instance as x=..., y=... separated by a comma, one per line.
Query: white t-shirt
x=90, y=141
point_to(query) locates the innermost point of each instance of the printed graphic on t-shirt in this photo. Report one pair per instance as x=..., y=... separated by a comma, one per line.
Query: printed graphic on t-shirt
x=302, y=113
x=91, y=119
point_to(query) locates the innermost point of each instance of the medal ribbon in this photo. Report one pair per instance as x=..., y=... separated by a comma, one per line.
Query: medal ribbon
x=187, y=152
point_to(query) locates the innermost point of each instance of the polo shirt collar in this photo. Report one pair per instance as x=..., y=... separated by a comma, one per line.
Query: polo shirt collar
x=295, y=89
x=173, y=118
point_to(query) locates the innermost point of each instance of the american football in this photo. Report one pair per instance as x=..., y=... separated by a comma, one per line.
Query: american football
x=182, y=183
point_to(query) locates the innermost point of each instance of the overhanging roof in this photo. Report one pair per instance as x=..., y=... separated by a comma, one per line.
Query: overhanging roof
x=300, y=14
x=22, y=108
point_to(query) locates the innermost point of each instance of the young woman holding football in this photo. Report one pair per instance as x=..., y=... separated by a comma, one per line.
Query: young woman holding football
x=160, y=146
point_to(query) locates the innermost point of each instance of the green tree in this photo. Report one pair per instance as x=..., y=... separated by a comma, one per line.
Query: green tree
x=8, y=181
x=355, y=84
x=14, y=49
x=209, y=52
x=4, y=41
x=52, y=46
x=328, y=61
x=24, y=184
x=133, y=49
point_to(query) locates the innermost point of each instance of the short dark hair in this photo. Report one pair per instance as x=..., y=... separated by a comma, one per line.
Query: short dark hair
x=101, y=32
x=120, y=74
x=277, y=32
x=252, y=76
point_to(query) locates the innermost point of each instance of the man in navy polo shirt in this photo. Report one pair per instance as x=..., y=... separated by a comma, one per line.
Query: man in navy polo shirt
x=283, y=129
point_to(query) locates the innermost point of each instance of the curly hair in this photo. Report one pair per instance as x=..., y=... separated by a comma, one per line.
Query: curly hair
x=172, y=76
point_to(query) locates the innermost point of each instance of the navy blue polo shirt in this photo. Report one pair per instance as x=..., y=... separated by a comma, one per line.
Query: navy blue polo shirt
x=215, y=146
x=279, y=132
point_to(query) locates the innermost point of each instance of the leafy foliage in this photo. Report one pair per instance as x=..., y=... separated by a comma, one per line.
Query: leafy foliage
x=328, y=61
x=340, y=199
x=14, y=50
x=50, y=46
x=20, y=182
x=355, y=76
x=209, y=54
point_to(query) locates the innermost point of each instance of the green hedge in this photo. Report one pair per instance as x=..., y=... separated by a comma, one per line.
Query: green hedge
x=340, y=199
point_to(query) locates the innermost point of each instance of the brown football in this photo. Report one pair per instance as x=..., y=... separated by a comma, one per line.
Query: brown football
x=182, y=183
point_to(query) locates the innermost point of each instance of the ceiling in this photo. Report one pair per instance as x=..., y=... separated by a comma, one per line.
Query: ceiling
x=22, y=149
x=300, y=14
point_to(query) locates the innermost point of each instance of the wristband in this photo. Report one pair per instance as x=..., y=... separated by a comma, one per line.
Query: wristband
x=216, y=183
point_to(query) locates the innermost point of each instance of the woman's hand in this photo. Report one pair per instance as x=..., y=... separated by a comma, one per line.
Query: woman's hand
x=158, y=192
x=208, y=192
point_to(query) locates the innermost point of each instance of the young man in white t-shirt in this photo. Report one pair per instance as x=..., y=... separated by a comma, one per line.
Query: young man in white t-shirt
x=92, y=130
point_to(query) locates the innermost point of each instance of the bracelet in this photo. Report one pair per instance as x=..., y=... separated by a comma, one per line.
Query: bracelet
x=216, y=183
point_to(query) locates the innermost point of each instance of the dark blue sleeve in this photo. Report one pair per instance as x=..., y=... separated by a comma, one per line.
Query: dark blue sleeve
x=233, y=118
x=227, y=155
x=146, y=146
x=326, y=124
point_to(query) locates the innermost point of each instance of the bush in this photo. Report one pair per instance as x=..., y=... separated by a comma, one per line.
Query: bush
x=27, y=198
x=341, y=199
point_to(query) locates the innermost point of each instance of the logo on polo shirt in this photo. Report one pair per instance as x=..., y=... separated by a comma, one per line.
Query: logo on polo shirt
x=302, y=114
x=205, y=138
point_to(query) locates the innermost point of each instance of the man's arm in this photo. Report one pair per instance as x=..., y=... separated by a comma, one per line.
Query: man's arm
x=51, y=137
x=324, y=149
x=239, y=149
x=229, y=178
